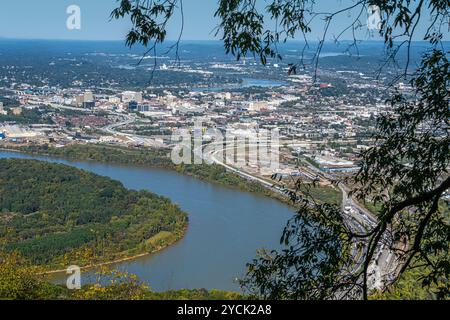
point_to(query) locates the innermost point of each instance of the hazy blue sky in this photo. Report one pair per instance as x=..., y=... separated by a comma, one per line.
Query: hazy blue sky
x=46, y=19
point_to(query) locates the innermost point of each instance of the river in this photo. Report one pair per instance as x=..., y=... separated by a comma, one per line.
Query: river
x=226, y=227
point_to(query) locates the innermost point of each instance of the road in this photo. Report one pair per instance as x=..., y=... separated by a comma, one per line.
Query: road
x=385, y=263
x=134, y=138
x=60, y=106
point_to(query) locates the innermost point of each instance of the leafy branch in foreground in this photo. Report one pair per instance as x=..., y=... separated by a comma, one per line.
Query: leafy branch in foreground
x=407, y=172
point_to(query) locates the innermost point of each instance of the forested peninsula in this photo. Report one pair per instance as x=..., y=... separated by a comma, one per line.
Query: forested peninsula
x=53, y=213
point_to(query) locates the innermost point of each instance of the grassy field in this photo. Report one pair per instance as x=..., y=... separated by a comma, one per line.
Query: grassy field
x=327, y=194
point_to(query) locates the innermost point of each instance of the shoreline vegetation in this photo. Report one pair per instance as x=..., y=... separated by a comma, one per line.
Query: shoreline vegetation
x=168, y=242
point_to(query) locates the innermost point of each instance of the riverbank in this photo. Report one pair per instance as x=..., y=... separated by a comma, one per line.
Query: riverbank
x=152, y=159
x=160, y=159
x=167, y=244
